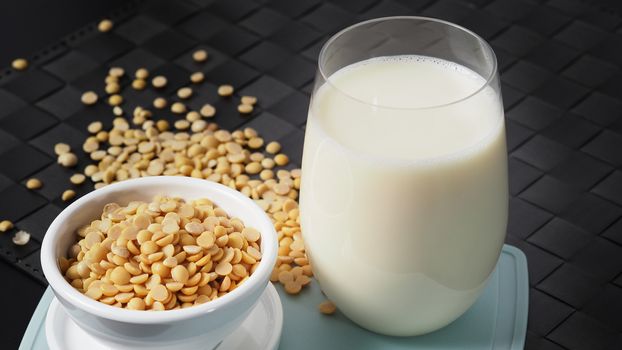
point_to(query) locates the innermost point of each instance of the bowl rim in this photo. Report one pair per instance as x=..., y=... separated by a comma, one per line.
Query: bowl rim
x=60, y=286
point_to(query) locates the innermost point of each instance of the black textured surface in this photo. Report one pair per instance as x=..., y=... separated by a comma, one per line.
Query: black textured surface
x=562, y=85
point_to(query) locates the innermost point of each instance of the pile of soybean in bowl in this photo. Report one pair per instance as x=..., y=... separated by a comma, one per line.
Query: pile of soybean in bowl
x=162, y=255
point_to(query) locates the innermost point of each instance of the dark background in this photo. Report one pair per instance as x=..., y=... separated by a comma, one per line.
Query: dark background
x=560, y=66
x=29, y=25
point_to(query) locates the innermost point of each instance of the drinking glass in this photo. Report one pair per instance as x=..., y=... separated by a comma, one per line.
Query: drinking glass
x=404, y=193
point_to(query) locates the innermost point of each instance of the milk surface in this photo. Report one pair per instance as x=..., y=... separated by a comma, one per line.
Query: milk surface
x=404, y=191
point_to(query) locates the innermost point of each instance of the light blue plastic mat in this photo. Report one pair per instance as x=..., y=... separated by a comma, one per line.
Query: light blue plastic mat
x=498, y=320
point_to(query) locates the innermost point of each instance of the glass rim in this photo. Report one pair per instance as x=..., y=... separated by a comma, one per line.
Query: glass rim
x=486, y=45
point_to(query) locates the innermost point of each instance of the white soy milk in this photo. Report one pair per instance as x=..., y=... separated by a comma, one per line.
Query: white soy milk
x=403, y=202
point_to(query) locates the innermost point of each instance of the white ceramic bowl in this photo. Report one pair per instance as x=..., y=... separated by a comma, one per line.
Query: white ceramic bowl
x=198, y=327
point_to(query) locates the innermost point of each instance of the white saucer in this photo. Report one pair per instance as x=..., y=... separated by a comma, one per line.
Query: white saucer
x=261, y=330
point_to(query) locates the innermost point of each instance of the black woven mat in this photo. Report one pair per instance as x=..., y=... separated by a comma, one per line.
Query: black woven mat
x=562, y=86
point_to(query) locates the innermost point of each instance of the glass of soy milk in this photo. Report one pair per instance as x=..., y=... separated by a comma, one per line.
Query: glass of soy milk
x=404, y=195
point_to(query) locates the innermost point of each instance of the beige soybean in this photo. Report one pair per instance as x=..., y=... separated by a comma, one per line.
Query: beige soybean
x=197, y=77
x=115, y=100
x=68, y=159
x=178, y=108
x=119, y=275
x=159, y=293
x=77, y=179
x=5, y=225
x=249, y=100
x=89, y=98
x=198, y=126
x=224, y=268
x=225, y=90
x=136, y=304
x=68, y=195
x=207, y=111
x=182, y=124
x=273, y=147
x=19, y=64
x=159, y=102
x=292, y=287
x=281, y=189
x=266, y=174
x=184, y=93
x=21, y=237
x=109, y=290
x=95, y=127
x=90, y=145
x=112, y=88
x=33, y=183
x=327, y=307
x=206, y=240
x=105, y=25
x=255, y=142
x=281, y=159
x=61, y=148
x=245, y=108
x=180, y=274
x=159, y=82
x=141, y=73
x=139, y=84
x=253, y=168
x=199, y=55
x=94, y=292
x=116, y=72
x=251, y=234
